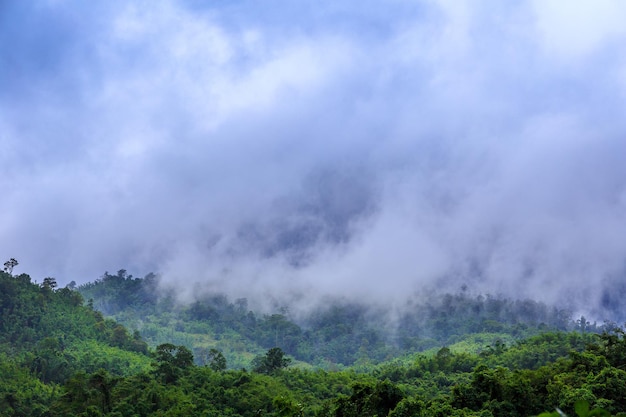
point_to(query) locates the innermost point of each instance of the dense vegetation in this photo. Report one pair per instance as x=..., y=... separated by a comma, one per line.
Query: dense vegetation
x=59, y=356
x=335, y=335
x=47, y=335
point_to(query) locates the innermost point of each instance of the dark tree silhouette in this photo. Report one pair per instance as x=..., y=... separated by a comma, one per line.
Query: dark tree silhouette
x=271, y=362
x=9, y=265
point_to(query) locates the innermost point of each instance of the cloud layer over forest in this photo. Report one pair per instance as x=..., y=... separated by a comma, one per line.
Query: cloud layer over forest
x=371, y=149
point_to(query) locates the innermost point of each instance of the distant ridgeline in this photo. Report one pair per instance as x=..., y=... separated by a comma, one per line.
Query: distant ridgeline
x=338, y=333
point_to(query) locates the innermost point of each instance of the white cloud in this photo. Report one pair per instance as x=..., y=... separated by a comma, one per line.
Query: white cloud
x=577, y=28
x=387, y=146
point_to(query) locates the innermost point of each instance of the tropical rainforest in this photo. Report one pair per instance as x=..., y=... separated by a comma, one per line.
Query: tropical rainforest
x=120, y=346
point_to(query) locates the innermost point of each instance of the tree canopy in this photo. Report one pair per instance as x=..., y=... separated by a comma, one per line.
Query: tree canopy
x=59, y=357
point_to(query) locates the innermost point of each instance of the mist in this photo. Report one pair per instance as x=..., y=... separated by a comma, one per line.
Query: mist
x=282, y=151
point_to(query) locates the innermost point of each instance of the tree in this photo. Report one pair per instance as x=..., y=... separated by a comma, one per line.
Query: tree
x=49, y=362
x=582, y=324
x=369, y=400
x=216, y=360
x=271, y=362
x=172, y=360
x=49, y=283
x=286, y=407
x=9, y=265
x=103, y=383
x=582, y=409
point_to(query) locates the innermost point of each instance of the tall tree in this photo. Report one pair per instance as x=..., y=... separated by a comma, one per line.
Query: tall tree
x=271, y=362
x=216, y=361
x=172, y=360
x=9, y=265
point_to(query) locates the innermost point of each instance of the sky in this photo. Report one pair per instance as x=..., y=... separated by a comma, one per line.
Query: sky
x=371, y=149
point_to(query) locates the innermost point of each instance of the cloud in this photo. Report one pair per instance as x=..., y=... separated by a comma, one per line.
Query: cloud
x=580, y=28
x=324, y=148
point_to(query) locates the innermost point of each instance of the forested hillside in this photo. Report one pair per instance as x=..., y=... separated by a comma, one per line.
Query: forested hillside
x=59, y=357
x=336, y=333
x=47, y=335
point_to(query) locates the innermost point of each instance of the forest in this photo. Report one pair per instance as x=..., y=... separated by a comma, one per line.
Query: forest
x=118, y=346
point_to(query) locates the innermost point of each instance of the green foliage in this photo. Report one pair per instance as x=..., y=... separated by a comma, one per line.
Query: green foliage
x=47, y=336
x=582, y=409
x=368, y=400
x=286, y=407
x=172, y=361
x=216, y=360
x=91, y=355
x=22, y=394
x=30, y=313
x=59, y=357
x=273, y=361
x=335, y=335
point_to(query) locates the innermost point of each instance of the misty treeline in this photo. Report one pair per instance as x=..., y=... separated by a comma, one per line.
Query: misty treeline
x=60, y=356
x=334, y=333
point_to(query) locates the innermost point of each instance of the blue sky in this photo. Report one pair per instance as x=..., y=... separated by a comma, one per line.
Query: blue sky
x=366, y=148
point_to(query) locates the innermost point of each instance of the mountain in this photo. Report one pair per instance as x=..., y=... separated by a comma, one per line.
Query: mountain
x=335, y=333
x=59, y=356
